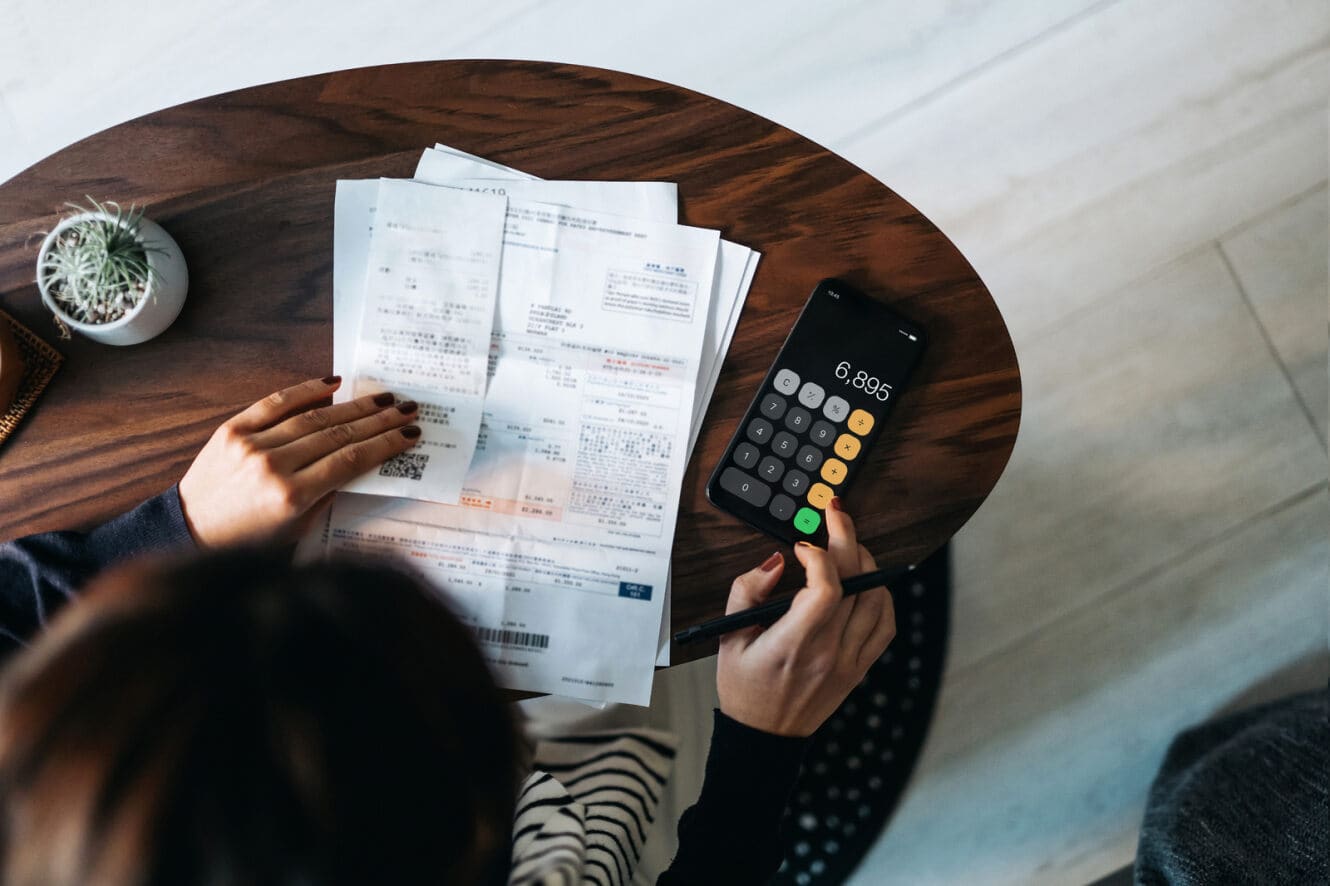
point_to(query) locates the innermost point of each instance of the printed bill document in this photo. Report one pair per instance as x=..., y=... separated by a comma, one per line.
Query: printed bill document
x=556, y=551
x=432, y=275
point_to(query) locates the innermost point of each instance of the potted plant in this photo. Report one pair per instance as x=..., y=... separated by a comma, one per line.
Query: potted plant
x=111, y=274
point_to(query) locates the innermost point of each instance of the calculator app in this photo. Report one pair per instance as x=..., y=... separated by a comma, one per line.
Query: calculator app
x=818, y=412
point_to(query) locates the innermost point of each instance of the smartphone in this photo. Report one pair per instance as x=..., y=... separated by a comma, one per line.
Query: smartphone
x=819, y=411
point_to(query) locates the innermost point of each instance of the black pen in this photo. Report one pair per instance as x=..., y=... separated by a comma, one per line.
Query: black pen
x=770, y=611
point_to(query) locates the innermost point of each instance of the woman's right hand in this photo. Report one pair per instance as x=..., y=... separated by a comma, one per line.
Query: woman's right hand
x=266, y=472
x=788, y=678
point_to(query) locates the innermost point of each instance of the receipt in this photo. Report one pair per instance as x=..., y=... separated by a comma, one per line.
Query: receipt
x=429, y=292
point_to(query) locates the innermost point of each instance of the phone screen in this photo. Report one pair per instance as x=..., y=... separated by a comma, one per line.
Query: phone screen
x=853, y=347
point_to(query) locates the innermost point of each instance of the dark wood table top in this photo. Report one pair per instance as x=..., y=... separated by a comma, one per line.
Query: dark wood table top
x=245, y=181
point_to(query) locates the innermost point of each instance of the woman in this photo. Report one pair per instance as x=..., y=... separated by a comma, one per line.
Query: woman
x=232, y=718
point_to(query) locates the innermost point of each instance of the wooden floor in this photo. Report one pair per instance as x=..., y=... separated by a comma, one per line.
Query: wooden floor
x=1143, y=187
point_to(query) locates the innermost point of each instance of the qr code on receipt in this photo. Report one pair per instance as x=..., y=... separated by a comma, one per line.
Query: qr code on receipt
x=406, y=465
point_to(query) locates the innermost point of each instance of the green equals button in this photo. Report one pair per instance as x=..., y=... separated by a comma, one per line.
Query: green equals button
x=807, y=521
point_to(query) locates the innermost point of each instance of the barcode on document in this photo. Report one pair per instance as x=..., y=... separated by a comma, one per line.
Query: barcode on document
x=513, y=638
x=405, y=465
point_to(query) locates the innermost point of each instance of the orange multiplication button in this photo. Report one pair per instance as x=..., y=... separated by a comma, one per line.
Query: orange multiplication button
x=861, y=422
x=833, y=470
x=819, y=494
x=847, y=446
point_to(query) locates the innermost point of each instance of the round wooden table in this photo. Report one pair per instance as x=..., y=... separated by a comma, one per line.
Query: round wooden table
x=244, y=181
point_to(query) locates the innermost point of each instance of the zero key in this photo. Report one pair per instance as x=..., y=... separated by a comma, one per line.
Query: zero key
x=745, y=486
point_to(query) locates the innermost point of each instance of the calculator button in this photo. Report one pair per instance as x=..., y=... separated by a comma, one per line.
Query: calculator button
x=770, y=469
x=822, y=433
x=782, y=507
x=759, y=430
x=784, y=444
x=847, y=446
x=807, y=521
x=786, y=382
x=836, y=409
x=809, y=458
x=811, y=395
x=773, y=406
x=834, y=471
x=795, y=482
x=745, y=455
x=861, y=422
x=746, y=487
x=798, y=419
x=820, y=495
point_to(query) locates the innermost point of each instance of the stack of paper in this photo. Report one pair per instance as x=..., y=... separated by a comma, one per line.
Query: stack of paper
x=563, y=339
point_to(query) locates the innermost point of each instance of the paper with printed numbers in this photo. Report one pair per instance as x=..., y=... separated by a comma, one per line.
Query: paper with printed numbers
x=427, y=314
x=601, y=362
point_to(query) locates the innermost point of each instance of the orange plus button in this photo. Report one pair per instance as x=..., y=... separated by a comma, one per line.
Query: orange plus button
x=834, y=470
x=861, y=422
x=819, y=494
x=847, y=446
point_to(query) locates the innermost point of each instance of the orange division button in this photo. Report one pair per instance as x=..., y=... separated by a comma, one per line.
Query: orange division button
x=819, y=494
x=861, y=422
x=847, y=446
x=834, y=470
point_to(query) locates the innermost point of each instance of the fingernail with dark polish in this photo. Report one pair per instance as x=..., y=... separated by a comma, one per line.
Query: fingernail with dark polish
x=408, y=407
x=384, y=399
x=332, y=379
x=772, y=562
x=410, y=432
x=834, y=504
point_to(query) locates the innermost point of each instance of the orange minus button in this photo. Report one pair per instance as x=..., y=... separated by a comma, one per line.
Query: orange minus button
x=819, y=494
x=861, y=422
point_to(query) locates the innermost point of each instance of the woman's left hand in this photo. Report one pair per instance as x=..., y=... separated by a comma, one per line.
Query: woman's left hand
x=266, y=473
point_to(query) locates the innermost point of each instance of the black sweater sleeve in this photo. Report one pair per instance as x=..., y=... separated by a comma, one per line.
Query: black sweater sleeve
x=40, y=573
x=732, y=834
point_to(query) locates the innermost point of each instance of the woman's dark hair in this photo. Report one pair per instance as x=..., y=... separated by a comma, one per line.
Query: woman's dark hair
x=237, y=719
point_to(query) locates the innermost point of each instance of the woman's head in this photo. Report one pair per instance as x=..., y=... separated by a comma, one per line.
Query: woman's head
x=237, y=719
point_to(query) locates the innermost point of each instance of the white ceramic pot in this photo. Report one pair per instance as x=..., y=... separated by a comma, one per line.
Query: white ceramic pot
x=161, y=303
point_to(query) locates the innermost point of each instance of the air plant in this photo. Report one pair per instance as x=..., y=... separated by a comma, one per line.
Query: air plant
x=97, y=267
